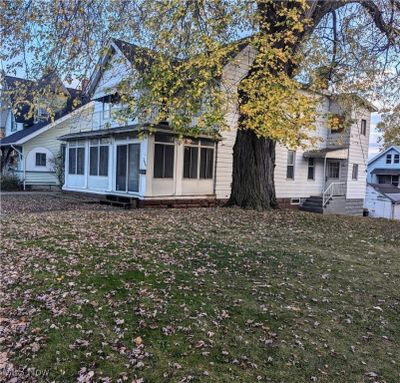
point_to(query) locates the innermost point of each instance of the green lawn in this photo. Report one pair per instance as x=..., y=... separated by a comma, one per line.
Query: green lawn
x=200, y=295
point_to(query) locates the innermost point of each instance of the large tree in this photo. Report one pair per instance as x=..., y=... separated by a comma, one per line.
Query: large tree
x=350, y=47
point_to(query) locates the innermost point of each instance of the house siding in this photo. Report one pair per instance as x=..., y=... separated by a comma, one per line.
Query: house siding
x=358, y=154
x=46, y=142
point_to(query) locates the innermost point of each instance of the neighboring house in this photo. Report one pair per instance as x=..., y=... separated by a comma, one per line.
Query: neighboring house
x=126, y=160
x=383, y=200
x=384, y=168
x=383, y=190
x=29, y=143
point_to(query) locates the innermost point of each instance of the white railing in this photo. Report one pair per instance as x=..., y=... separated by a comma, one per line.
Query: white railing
x=334, y=189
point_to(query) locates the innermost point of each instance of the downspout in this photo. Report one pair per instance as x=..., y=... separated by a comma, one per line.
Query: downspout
x=324, y=179
x=215, y=170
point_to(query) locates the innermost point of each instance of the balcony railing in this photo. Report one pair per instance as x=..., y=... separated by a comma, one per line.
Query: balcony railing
x=99, y=120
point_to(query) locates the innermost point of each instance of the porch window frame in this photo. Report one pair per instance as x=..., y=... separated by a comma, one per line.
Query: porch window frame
x=202, y=146
x=98, y=144
x=75, y=146
x=164, y=140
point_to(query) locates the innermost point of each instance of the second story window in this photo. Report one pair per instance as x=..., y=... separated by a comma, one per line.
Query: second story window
x=396, y=159
x=290, y=164
x=355, y=172
x=388, y=158
x=364, y=127
x=107, y=110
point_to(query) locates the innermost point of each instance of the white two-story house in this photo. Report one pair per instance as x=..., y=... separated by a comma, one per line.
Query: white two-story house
x=126, y=160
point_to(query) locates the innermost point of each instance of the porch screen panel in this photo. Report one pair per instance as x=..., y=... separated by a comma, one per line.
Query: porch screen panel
x=94, y=158
x=206, y=163
x=72, y=161
x=121, y=167
x=190, y=161
x=133, y=167
x=103, y=166
x=80, y=161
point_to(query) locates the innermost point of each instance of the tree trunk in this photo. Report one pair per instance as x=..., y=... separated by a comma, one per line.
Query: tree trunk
x=253, y=172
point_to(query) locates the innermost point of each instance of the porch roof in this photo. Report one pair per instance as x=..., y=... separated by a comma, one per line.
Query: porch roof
x=339, y=153
x=143, y=128
x=386, y=172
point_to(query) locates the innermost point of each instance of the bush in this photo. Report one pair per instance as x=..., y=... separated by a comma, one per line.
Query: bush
x=9, y=182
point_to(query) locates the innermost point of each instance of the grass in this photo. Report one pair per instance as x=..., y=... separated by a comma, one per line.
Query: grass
x=201, y=295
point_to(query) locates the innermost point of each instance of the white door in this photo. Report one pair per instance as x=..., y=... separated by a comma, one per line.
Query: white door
x=332, y=172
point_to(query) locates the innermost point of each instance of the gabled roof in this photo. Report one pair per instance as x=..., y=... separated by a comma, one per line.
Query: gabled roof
x=23, y=135
x=395, y=147
x=23, y=105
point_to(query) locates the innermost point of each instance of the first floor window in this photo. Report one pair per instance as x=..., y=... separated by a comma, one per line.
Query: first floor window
x=290, y=164
x=355, y=172
x=190, y=162
x=311, y=169
x=40, y=159
x=99, y=160
x=76, y=163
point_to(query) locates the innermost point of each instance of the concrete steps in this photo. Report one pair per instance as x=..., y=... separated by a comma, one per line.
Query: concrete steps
x=313, y=204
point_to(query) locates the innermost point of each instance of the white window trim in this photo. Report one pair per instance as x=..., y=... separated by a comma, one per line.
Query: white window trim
x=199, y=145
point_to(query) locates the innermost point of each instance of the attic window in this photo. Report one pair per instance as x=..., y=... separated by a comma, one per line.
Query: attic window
x=41, y=114
x=396, y=159
x=388, y=158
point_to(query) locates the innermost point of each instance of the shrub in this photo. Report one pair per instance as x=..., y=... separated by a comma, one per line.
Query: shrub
x=9, y=182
